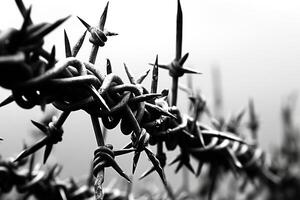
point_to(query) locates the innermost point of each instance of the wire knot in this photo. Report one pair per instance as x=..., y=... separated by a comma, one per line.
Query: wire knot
x=103, y=157
x=175, y=69
x=55, y=133
x=97, y=37
x=141, y=142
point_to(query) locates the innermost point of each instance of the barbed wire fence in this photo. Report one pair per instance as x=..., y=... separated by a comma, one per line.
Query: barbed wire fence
x=36, y=78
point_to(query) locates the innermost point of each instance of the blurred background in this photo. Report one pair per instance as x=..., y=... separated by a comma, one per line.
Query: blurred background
x=254, y=44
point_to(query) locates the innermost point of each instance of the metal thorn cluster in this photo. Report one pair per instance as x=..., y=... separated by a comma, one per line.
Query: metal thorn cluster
x=35, y=77
x=104, y=157
x=32, y=181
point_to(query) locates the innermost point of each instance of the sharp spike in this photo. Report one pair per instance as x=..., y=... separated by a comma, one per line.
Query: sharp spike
x=27, y=20
x=167, y=67
x=156, y=165
x=240, y=115
x=103, y=17
x=142, y=78
x=39, y=34
x=47, y=152
x=178, y=32
x=22, y=9
x=188, y=70
x=42, y=127
x=42, y=142
x=118, y=169
x=179, y=166
x=108, y=67
x=52, y=61
x=78, y=45
x=128, y=146
x=130, y=77
x=154, y=76
x=189, y=166
x=87, y=26
x=175, y=160
x=135, y=160
x=67, y=45
x=108, y=33
x=6, y=101
x=199, y=169
x=35, y=27
x=183, y=59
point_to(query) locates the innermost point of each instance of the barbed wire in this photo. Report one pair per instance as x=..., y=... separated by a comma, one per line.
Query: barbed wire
x=36, y=78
